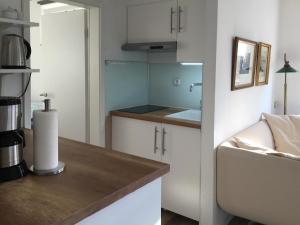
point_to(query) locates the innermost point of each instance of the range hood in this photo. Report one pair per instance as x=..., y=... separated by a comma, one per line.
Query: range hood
x=151, y=46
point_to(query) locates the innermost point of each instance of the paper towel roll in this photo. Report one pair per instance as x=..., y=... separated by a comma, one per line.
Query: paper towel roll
x=45, y=140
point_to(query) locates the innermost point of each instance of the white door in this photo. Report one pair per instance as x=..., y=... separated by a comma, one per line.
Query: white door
x=181, y=187
x=190, y=36
x=152, y=22
x=63, y=70
x=136, y=137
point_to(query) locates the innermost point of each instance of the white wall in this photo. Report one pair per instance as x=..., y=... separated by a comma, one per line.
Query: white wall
x=52, y=43
x=207, y=193
x=233, y=111
x=256, y=20
x=63, y=70
x=289, y=42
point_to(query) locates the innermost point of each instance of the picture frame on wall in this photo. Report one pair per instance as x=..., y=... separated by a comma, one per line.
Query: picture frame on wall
x=243, y=64
x=263, y=64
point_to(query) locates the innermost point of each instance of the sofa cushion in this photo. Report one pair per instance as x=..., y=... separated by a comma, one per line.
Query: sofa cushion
x=259, y=133
x=248, y=145
x=286, y=132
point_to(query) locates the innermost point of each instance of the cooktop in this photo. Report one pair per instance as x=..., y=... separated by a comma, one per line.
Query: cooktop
x=143, y=109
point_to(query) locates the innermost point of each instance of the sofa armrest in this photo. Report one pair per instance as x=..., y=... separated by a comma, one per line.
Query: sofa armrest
x=263, y=188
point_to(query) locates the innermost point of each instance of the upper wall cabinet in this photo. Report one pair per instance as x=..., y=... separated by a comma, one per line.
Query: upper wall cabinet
x=152, y=22
x=191, y=31
x=170, y=20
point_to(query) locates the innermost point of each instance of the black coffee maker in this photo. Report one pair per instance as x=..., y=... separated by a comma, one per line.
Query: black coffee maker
x=12, y=140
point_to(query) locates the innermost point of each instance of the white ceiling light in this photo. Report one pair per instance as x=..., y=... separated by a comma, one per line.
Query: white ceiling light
x=53, y=5
x=191, y=64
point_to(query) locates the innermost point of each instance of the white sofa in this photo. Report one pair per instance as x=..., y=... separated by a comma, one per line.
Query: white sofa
x=257, y=186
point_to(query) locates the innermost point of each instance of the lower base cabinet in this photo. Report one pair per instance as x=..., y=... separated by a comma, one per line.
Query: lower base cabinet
x=176, y=145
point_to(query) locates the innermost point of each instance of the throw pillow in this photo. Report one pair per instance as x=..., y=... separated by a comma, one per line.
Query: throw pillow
x=286, y=132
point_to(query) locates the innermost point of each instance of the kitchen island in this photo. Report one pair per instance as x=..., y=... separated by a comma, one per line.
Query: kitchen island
x=98, y=186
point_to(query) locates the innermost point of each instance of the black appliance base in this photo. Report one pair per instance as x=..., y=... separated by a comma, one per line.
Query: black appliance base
x=14, y=172
x=14, y=67
x=143, y=109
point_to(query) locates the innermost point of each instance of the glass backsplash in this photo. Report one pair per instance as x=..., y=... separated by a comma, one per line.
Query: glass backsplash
x=126, y=85
x=165, y=89
x=131, y=84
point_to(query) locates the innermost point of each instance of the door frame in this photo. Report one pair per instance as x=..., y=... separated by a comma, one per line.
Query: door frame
x=95, y=116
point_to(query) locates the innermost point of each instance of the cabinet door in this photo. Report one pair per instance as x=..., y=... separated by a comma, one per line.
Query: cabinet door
x=181, y=187
x=191, y=31
x=152, y=22
x=136, y=137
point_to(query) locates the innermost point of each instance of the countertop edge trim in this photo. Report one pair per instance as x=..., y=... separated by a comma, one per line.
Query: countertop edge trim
x=155, y=119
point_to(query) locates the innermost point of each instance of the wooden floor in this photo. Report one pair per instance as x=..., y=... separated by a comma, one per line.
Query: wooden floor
x=240, y=221
x=169, y=218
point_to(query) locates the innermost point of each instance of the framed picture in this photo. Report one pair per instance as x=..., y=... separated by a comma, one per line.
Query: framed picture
x=263, y=64
x=244, y=63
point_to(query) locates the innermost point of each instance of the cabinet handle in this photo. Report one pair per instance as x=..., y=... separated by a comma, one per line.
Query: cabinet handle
x=180, y=11
x=155, y=140
x=163, y=141
x=172, y=15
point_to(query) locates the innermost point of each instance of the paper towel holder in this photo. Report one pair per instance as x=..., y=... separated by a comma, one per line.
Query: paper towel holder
x=47, y=103
x=59, y=169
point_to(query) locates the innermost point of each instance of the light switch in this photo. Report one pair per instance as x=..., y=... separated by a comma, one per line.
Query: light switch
x=276, y=104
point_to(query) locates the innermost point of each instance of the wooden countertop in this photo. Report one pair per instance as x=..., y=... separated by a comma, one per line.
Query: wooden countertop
x=160, y=117
x=94, y=178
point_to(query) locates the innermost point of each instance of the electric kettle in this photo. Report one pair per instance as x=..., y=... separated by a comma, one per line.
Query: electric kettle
x=15, y=51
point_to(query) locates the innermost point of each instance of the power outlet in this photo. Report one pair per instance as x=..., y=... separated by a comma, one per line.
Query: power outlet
x=176, y=82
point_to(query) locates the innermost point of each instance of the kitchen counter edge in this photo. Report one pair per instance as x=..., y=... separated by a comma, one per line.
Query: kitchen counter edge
x=157, y=119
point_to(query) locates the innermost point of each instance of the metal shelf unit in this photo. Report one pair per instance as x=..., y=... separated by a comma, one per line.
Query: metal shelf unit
x=14, y=22
x=18, y=71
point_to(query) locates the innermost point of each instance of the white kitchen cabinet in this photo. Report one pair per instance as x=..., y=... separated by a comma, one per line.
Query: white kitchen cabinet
x=152, y=22
x=136, y=137
x=191, y=32
x=176, y=145
x=181, y=187
x=171, y=20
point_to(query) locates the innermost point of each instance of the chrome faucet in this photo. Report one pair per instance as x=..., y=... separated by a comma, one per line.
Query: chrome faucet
x=193, y=85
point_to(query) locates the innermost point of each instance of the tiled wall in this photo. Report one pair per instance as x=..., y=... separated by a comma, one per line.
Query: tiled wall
x=129, y=84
